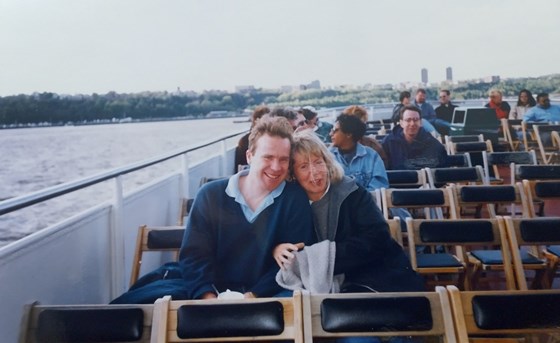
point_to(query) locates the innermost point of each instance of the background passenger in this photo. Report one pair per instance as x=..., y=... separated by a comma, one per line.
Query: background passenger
x=409, y=146
x=321, y=128
x=525, y=101
x=360, y=162
x=243, y=144
x=544, y=111
x=368, y=141
x=501, y=107
x=444, y=112
x=404, y=100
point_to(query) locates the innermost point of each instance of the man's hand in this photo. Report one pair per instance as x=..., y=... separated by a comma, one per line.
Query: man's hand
x=282, y=253
x=249, y=295
x=209, y=295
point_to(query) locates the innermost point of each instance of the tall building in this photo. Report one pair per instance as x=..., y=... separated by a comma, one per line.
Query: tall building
x=449, y=74
x=425, y=76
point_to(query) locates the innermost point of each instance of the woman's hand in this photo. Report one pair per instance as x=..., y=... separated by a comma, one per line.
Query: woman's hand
x=282, y=253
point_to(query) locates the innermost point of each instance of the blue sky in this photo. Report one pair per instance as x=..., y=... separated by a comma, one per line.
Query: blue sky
x=86, y=46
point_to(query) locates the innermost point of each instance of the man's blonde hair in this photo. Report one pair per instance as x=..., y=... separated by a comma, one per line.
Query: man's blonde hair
x=272, y=126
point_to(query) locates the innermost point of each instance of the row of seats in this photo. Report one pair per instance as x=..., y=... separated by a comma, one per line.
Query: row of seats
x=448, y=314
x=508, y=246
x=540, y=136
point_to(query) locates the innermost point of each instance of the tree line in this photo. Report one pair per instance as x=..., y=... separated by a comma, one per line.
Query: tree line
x=54, y=109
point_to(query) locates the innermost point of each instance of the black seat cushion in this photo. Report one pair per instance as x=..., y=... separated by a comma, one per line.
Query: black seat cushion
x=456, y=231
x=437, y=260
x=165, y=239
x=402, y=176
x=495, y=257
x=505, y=158
x=417, y=197
x=494, y=312
x=470, y=146
x=230, y=320
x=90, y=325
x=488, y=194
x=540, y=172
x=456, y=174
x=547, y=189
x=376, y=314
x=541, y=230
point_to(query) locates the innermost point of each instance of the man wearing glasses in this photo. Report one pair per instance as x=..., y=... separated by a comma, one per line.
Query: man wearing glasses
x=409, y=146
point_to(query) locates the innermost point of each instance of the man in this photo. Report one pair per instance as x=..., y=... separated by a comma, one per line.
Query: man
x=502, y=108
x=444, y=112
x=426, y=109
x=410, y=146
x=322, y=129
x=235, y=224
x=544, y=111
x=296, y=119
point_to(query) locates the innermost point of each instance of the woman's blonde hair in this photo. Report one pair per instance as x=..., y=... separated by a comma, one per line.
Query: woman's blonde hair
x=308, y=144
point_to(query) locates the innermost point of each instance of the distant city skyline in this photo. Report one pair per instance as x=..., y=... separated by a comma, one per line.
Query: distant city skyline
x=131, y=46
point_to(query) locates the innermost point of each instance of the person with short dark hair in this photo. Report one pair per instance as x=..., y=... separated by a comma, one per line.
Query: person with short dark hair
x=544, y=111
x=444, y=112
x=410, y=146
x=243, y=144
x=358, y=161
x=404, y=100
x=296, y=119
x=321, y=128
x=368, y=141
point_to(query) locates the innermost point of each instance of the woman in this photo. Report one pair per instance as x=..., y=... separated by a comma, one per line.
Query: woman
x=362, y=163
x=525, y=101
x=344, y=213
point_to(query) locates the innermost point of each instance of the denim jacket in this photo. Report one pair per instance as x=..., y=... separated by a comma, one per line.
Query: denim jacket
x=366, y=167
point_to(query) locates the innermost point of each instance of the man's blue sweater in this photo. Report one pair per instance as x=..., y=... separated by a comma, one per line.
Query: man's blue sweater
x=222, y=250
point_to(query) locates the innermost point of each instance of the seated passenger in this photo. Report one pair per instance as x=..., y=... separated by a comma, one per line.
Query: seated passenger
x=368, y=141
x=235, y=223
x=544, y=111
x=444, y=112
x=502, y=107
x=321, y=128
x=346, y=215
x=409, y=146
x=360, y=162
x=525, y=101
x=243, y=144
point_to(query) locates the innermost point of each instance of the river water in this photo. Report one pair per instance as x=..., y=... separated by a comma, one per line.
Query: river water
x=35, y=158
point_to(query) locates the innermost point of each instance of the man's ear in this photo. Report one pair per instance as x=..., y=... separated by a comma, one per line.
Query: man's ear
x=248, y=156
